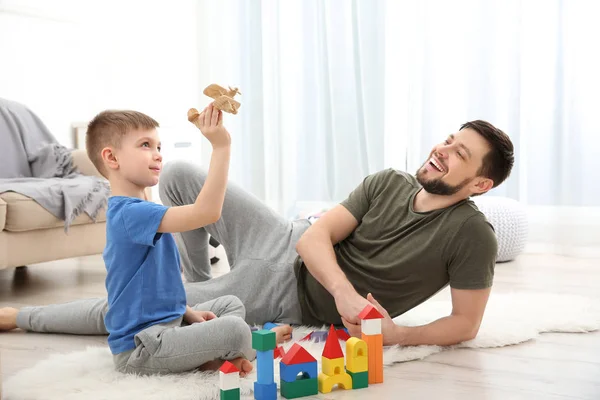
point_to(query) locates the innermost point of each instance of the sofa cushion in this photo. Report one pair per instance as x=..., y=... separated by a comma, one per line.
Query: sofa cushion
x=2, y=214
x=24, y=214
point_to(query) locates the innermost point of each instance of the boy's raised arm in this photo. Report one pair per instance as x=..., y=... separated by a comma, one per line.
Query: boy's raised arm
x=209, y=203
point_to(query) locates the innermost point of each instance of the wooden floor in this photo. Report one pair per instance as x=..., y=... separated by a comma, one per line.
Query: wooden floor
x=556, y=366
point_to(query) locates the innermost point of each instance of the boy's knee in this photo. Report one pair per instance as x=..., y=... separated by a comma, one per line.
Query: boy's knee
x=237, y=333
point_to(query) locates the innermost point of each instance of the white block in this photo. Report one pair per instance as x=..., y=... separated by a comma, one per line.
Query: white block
x=229, y=381
x=370, y=326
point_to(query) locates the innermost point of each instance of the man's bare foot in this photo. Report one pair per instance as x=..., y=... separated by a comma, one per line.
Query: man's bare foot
x=283, y=333
x=8, y=318
x=241, y=363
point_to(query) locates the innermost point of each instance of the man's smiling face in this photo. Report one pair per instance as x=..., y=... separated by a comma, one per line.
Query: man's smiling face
x=454, y=164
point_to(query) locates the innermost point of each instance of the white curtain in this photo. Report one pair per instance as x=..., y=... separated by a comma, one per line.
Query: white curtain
x=335, y=90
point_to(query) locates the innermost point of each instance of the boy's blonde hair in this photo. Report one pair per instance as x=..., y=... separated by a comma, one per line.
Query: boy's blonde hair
x=107, y=129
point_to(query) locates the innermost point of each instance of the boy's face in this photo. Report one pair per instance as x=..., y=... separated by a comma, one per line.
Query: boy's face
x=139, y=159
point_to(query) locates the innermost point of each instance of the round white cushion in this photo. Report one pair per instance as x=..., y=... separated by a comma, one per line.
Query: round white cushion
x=509, y=219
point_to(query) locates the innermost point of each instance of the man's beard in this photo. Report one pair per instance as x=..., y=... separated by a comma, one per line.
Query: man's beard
x=437, y=186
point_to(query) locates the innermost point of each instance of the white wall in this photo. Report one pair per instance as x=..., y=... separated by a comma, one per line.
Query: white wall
x=68, y=60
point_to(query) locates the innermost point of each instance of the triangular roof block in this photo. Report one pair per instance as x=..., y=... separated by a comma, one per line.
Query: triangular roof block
x=332, y=348
x=370, y=312
x=297, y=355
x=228, y=368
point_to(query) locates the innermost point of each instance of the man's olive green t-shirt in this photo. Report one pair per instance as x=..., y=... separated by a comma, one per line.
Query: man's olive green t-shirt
x=401, y=256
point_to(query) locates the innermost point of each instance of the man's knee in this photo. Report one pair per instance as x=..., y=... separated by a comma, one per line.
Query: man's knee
x=174, y=173
x=234, y=304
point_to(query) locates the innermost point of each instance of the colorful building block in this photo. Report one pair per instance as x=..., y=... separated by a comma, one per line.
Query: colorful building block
x=343, y=334
x=375, y=345
x=297, y=355
x=229, y=382
x=307, y=337
x=360, y=380
x=269, y=325
x=332, y=363
x=327, y=382
x=264, y=391
x=232, y=394
x=279, y=352
x=298, y=371
x=319, y=336
x=290, y=373
x=299, y=388
x=357, y=355
x=263, y=340
x=265, y=367
x=370, y=323
x=371, y=333
x=332, y=348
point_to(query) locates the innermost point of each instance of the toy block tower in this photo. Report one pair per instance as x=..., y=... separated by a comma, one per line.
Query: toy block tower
x=263, y=342
x=229, y=382
x=371, y=333
x=298, y=372
x=333, y=371
x=357, y=362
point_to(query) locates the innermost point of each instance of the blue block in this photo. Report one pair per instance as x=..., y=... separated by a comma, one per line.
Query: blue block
x=319, y=336
x=253, y=329
x=269, y=325
x=265, y=392
x=289, y=373
x=264, y=364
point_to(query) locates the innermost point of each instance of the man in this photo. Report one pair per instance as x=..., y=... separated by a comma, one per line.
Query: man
x=394, y=242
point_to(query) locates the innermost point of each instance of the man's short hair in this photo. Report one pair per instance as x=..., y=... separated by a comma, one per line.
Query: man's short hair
x=498, y=162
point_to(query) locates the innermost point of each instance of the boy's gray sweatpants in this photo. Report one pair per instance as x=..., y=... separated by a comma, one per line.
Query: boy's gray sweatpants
x=177, y=346
x=260, y=247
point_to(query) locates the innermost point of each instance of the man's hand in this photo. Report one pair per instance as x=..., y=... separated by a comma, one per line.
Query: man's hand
x=210, y=122
x=349, y=306
x=389, y=329
x=192, y=316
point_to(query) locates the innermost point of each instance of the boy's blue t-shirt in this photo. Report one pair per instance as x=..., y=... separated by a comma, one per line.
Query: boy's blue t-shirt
x=143, y=275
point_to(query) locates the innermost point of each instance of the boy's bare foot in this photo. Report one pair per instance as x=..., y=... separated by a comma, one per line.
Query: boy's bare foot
x=8, y=318
x=241, y=363
x=283, y=333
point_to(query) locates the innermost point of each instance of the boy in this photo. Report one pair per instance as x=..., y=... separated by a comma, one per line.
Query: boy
x=151, y=329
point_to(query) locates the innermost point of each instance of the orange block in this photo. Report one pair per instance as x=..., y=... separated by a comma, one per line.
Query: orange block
x=375, y=351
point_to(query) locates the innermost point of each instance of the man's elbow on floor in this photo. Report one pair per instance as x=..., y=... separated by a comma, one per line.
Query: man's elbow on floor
x=471, y=333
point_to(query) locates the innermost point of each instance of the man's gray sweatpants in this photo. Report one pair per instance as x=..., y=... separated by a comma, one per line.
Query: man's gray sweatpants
x=260, y=246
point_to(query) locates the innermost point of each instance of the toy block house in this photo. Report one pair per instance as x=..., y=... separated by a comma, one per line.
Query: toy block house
x=333, y=371
x=357, y=362
x=298, y=371
x=229, y=382
x=263, y=342
x=371, y=333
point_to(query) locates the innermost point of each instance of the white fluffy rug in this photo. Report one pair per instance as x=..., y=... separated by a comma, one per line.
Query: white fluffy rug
x=89, y=374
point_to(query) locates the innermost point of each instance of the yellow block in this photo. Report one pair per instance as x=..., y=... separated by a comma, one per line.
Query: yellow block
x=333, y=366
x=357, y=355
x=375, y=345
x=326, y=382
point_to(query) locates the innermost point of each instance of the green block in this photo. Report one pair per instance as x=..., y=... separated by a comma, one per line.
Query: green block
x=360, y=380
x=232, y=394
x=263, y=340
x=299, y=388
